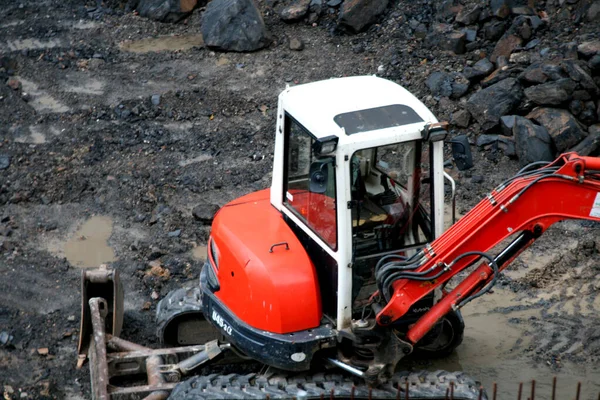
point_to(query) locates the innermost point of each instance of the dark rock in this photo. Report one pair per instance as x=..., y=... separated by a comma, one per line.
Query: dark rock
x=591, y=144
x=522, y=10
x=167, y=10
x=460, y=85
x=489, y=104
x=589, y=49
x=359, y=14
x=578, y=74
x=295, y=11
x=155, y=99
x=560, y=124
x=595, y=63
x=576, y=107
x=554, y=71
x=470, y=34
x=5, y=339
x=494, y=30
x=440, y=84
x=531, y=44
x=334, y=3
x=588, y=116
x=581, y=95
x=533, y=143
x=593, y=13
x=461, y=118
x=507, y=122
x=505, y=46
x=496, y=76
x=500, y=8
x=477, y=179
x=480, y=69
x=447, y=10
x=469, y=15
x=502, y=62
x=233, y=25
x=507, y=146
x=296, y=44
x=551, y=93
x=534, y=74
x=486, y=140
x=205, y=212
x=4, y=161
x=454, y=42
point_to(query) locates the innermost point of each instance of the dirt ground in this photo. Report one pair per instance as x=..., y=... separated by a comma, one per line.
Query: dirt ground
x=98, y=173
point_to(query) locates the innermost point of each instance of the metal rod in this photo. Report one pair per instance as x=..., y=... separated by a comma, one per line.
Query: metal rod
x=99, y=310
x=123, y=345
x=520, y=390
x=495, y=391
x=480, y=397
x=153, y=364
x=554, y=388
x=451, y=390
x=406, y=393
x=578, y=390
x=533, y=389
x=346, y=367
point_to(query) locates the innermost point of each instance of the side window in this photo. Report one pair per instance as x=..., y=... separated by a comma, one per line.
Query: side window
x=317, y=210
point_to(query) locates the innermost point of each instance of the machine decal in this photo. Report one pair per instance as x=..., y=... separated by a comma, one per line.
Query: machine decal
x=596, y=207
x=221, y=322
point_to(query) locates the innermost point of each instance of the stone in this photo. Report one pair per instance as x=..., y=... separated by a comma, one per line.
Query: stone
x=4, y=161
x=533, y=142
x=534, y=74
x=591, y=144
x=500, y=8
x=166, y=10
x=595, y=63
x=507, y=122
x=155, y=99
x=447, y=10
x=588, y=115
x=468, y=15
x=234, y=25
x=507, y=146
x=205, y=212
x=489, y=104
x=578, y=74
x=5, y=338
x=296, y=44
x=486, y=140
x=454, y=41
x=593, y=13
x=576, y=107
x=479, y=70
x=551, y=93
x=560, y=124
x=477, y=179
x=174, y=234
x=356, y=15
x=334, y=3
x=295, y=11
x=505, y=46
x=494, y=30
x=440, y=84
x=589, y=49
x=461, y=118
x=470, y=34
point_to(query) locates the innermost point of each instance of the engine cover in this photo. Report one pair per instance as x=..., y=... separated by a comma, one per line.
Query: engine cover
x=273, y=288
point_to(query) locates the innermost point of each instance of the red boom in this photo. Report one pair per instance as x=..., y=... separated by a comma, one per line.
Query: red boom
x=527, y=203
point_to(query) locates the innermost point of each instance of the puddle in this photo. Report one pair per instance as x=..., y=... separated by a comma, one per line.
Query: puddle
x=163, y=43
x=90, y=86
x=88, y=247
x=41, y=100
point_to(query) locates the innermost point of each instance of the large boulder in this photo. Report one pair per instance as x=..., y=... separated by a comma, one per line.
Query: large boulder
x=447, y=85
x=489, y=104
x=234, y=25
x=561, y=125
x=591, y=144
x=167, y=10
x=356, y=15
x=551, y=93
x=505, y=46
x=533, y=143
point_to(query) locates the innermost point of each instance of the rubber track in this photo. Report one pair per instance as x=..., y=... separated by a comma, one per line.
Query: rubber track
x=423, y=385
x=176, y=303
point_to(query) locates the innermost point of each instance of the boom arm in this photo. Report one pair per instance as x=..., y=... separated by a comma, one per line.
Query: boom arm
x=523, y=207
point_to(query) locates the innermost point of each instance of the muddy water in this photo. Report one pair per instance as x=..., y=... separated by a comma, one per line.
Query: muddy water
x=88, y=247
x=495, y=347
x=162, y=43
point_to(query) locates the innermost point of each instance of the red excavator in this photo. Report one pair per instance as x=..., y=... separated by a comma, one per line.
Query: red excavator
x=340, y=269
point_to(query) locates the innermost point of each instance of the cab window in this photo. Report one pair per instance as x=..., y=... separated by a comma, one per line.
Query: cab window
x=316, y=208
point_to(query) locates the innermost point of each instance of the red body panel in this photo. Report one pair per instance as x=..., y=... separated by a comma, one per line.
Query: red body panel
x=489, y=223
x=275, y=291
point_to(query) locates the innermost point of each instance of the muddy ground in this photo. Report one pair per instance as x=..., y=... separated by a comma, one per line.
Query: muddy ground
x=100, y=174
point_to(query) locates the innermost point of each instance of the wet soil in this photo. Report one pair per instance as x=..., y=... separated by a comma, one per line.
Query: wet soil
x=100, y=174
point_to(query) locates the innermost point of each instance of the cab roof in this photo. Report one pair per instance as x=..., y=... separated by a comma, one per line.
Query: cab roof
x=352, y=105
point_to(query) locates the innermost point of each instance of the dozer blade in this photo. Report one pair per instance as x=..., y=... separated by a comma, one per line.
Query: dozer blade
x=104, y=283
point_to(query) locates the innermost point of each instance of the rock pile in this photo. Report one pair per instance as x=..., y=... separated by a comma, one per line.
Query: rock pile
x=531, y=103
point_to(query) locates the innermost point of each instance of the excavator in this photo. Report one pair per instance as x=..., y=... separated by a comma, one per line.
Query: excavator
x=342, y=268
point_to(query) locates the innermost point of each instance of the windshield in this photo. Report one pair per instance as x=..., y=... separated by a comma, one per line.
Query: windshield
x=391, y=204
